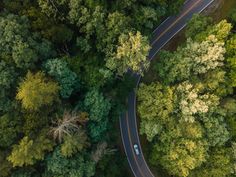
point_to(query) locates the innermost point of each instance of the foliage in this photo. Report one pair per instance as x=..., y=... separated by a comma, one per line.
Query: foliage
x=232, y=16
x=131, y=53
x=197, y=24
x=36, y=91
x=97, y=105
x=74, y=143
x=193, y=137
x=193, y=59
x=153, y=118
x=7, y=74
x=181, y=149
x=66, y=78
x=19, y=47
x=68, y=124
x=28, y=151
x=219, y=164
x=9, y=129
x=79, y=165
x=190, y=102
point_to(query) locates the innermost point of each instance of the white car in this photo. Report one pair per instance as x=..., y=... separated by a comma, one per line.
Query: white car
x=136, y=150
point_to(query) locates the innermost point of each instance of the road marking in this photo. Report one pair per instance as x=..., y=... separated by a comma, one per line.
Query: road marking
x=124, y=145
x=126, y=117
x=138, y=133
x=177, y=20
x=134, y=155
x=176, y=33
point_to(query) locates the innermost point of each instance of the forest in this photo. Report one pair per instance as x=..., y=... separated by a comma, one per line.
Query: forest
x=64, y=82
x=188, y=113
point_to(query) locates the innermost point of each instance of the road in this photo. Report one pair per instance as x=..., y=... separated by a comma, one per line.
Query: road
x=128, y=123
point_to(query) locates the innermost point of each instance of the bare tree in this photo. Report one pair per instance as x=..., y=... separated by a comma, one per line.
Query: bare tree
x=102, y=149
x=68, y=124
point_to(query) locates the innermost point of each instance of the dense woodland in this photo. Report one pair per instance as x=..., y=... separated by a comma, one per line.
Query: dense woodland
x=188, y=114
x=63, y=82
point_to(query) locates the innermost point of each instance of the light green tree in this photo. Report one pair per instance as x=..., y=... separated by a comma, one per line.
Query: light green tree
x=155, y=105
x=28, y=151
x=218, y=164
x=131, y=53
x=181, y=149
x=193, y=59
x=74, y=143
x=36, y=91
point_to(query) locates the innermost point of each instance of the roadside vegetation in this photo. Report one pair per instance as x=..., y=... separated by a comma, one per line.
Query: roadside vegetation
x=63, y=82
x=188, y=114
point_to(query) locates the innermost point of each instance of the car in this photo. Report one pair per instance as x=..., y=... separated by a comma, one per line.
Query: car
x=136, y=149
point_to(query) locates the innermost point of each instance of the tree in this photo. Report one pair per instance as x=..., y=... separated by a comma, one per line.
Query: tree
x=98, y=108
x=232, y=16
x=131, y=53
x=67, y=79
x=7, y=79
x=193, y=59
x=231, y=46
x=219, y=164
x=232, y=70
x=154, y=117
x=191, y=103
x=6, y=167
x=97, y=105
x=215, y=126
x=220, y=30
x=74, y=143
x=68, y=124
x=9, y=129
x=197, y=24
x=28, y=151
x=7, y=74
x=181, y=149
x=216, y=82
x=36, y=91
x=79, y=165
x=116, y=24
x=17, y=46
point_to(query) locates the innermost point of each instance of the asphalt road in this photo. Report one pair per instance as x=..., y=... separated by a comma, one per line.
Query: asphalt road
x=128, y=123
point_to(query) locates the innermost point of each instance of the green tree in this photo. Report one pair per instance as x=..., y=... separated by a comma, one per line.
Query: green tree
x=219, y=164
x=220, y=30
x=131, y=53
x=197, y=24
x=193, y=59
x=232, y=70
x=74, y=143
x=98, y=108
x=154, y=117
x=231, y=46
x=10, y=127
x=36, y=91
x=28, y=151
x=7, y=75
x=79, y=165
x=67, y=79
x=17, y=46
x=97, y=105
x=216, y=128
x=181, y=149
x=7, y=79
x=232, y=16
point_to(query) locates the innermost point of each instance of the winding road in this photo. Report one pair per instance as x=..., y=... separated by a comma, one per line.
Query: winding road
x=128, y=123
